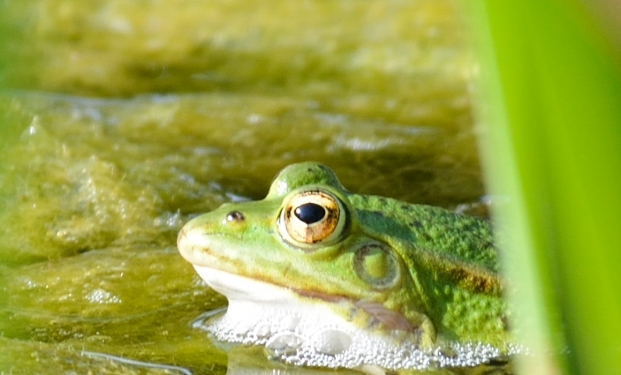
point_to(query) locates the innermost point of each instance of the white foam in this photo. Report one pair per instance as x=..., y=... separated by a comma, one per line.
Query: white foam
x=304, y=333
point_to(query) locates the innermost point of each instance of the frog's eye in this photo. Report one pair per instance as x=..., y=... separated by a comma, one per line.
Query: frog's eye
x=311, y=217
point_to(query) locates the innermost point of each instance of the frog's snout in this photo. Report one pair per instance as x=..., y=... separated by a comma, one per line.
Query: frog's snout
x=189, y=245
x=181, y=238
x=183, y=242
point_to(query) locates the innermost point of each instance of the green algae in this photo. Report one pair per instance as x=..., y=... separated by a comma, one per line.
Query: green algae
x=125, y=119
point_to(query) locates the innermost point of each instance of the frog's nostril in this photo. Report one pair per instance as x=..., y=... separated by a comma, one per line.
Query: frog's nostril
x=235, y=216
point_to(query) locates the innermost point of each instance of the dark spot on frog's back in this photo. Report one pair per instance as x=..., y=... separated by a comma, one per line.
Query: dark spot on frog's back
x=426, y=236
x=488, y=244
x=505, y=321
x=477, y=280
x=320, y=169
x=378, y=213
x=415, y=224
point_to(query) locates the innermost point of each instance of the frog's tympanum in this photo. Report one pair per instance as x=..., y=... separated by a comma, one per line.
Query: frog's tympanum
x=324, y=277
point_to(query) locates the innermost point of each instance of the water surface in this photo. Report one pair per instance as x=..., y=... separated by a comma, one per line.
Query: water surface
x=122, y=120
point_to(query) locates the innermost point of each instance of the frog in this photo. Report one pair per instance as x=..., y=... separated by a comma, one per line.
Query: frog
x=321, y=276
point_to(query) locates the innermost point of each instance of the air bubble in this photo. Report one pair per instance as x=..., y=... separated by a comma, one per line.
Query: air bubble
x=284, y=344
x=101, y=296
x=262, y=331
x=289, y=323
x=332, y=342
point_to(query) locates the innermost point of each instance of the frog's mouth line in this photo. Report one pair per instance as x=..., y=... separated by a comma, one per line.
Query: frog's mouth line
x=240, y=288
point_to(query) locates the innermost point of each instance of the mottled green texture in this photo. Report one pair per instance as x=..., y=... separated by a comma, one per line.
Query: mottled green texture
x=452, y=259
x=449, y=264
x=458, y=237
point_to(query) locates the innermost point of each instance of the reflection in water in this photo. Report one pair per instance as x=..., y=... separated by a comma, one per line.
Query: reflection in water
x=252, y=361
x=138, y=364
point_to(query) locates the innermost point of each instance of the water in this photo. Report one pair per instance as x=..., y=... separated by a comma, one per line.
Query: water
x=122, y=120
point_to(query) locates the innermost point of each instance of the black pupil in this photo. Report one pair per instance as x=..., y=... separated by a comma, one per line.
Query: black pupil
x=310, y=213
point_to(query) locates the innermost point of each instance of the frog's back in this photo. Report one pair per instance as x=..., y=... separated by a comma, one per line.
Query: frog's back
x=452, y=264
x=419, y=228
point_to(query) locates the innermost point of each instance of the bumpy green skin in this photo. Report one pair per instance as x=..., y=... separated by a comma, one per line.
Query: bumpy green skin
x=448, y=264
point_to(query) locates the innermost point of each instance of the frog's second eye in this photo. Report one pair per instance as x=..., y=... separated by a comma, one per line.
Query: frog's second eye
x=311, y=217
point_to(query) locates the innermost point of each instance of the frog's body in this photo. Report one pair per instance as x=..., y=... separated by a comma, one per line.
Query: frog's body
x=413, y=286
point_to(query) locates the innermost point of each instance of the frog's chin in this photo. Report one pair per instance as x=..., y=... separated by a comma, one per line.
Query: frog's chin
x=236, y=287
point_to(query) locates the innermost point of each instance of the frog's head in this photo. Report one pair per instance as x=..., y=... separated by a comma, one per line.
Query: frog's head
x=340, y=273
x=303, y=248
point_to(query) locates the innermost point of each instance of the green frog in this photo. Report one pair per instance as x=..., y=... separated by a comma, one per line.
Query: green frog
x=325, y=277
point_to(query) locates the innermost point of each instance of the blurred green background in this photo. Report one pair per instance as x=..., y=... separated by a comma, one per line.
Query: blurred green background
x=551, y=98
